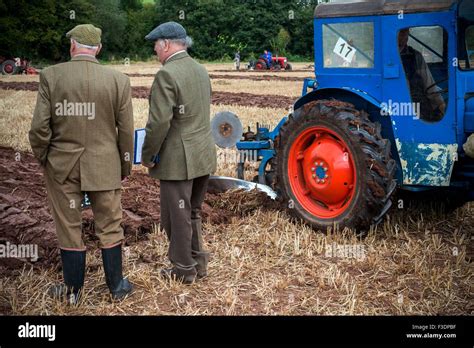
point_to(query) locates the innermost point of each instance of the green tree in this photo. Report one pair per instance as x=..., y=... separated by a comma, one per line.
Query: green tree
x=280, y=42
x=36, y=28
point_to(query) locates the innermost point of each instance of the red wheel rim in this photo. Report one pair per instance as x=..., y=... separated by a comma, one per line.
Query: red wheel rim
x=8, y=68
x=321, y=172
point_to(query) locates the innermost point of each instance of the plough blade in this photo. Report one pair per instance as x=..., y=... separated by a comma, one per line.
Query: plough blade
x=219, y=184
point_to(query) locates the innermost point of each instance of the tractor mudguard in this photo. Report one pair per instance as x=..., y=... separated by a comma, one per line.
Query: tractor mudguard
x=358, y=98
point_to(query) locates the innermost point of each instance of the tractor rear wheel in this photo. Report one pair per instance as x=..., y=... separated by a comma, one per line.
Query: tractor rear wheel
x=8, y=67
x=261, y=65
x=334, y=167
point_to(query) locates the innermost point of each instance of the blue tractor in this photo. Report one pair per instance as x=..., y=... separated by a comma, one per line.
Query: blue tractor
x=391, y=107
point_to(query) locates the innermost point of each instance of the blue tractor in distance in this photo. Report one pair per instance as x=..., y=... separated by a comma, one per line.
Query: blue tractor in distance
x=391, y=106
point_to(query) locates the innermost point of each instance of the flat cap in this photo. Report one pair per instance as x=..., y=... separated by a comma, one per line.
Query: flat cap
x=168, y=30
x=85, y=34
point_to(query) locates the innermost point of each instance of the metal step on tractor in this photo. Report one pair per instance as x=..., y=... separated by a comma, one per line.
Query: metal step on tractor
x=392, y=106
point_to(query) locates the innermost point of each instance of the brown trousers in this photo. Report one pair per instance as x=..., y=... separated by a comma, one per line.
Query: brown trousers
x=181, y=202
x=65, y=204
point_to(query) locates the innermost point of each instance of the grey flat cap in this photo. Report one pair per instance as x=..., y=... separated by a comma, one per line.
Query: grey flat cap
x=168, y=30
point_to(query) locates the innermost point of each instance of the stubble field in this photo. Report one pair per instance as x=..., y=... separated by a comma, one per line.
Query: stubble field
x=417, y=261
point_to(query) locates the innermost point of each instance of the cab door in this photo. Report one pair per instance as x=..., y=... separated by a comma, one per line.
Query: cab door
x=426, y=143
x=465, y=71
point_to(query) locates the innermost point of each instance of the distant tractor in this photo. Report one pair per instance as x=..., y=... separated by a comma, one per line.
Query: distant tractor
x=391, y=107
x=10, y=65
x=278, y=63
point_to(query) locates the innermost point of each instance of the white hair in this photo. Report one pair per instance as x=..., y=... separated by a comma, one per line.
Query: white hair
x=187, y=42
x=79, y=45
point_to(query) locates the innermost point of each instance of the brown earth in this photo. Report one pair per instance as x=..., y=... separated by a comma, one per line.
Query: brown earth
x=25, y=217
x=19, y=86
x=238, y=77
x=249, y=99
x=243, y=99
x=266, y=71
x=228, y=98
x=257, y=78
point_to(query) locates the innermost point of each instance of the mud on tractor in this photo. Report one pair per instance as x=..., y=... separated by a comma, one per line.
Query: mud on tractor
x=391, y=107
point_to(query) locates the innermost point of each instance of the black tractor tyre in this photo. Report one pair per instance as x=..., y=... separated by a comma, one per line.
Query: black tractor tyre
x=9, y=67
x=374, y=167
x=288, y=67
x=261, y=64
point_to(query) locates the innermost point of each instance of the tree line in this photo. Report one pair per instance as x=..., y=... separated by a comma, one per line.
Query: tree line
x=35, y=29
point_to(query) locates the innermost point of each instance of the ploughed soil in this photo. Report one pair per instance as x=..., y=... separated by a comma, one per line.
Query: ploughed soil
x=19, y=86
x=249, y=99
x=265, y=71
x=241, y=98
x=244, y=99
x=239, y=77
x=25, y=217
x=257, y=78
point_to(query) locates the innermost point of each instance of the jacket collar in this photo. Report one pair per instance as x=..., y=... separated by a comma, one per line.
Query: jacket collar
x=84, y=57
x=177, y=56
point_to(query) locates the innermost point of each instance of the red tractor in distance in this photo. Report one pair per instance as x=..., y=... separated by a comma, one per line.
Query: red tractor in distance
x=10, y=65
x=278, y=63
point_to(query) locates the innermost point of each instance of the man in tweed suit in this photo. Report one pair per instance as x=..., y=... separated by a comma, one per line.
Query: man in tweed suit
x=82, y=134
x=179, y=149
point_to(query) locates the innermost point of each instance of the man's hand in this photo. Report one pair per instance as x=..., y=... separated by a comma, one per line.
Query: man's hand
x=148, y=165
x=442, y=108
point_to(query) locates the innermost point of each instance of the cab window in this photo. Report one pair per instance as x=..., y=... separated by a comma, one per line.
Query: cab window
x=424, y=55
x=467, y=62
x=348, y=45
x=466, y=35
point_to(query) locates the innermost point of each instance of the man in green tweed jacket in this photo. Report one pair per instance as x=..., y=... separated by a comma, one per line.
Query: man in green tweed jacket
x=82, y=134
x=179, y=148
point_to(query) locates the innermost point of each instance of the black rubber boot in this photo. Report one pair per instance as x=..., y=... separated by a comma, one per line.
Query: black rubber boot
x=74, y=269
x=118, y=286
